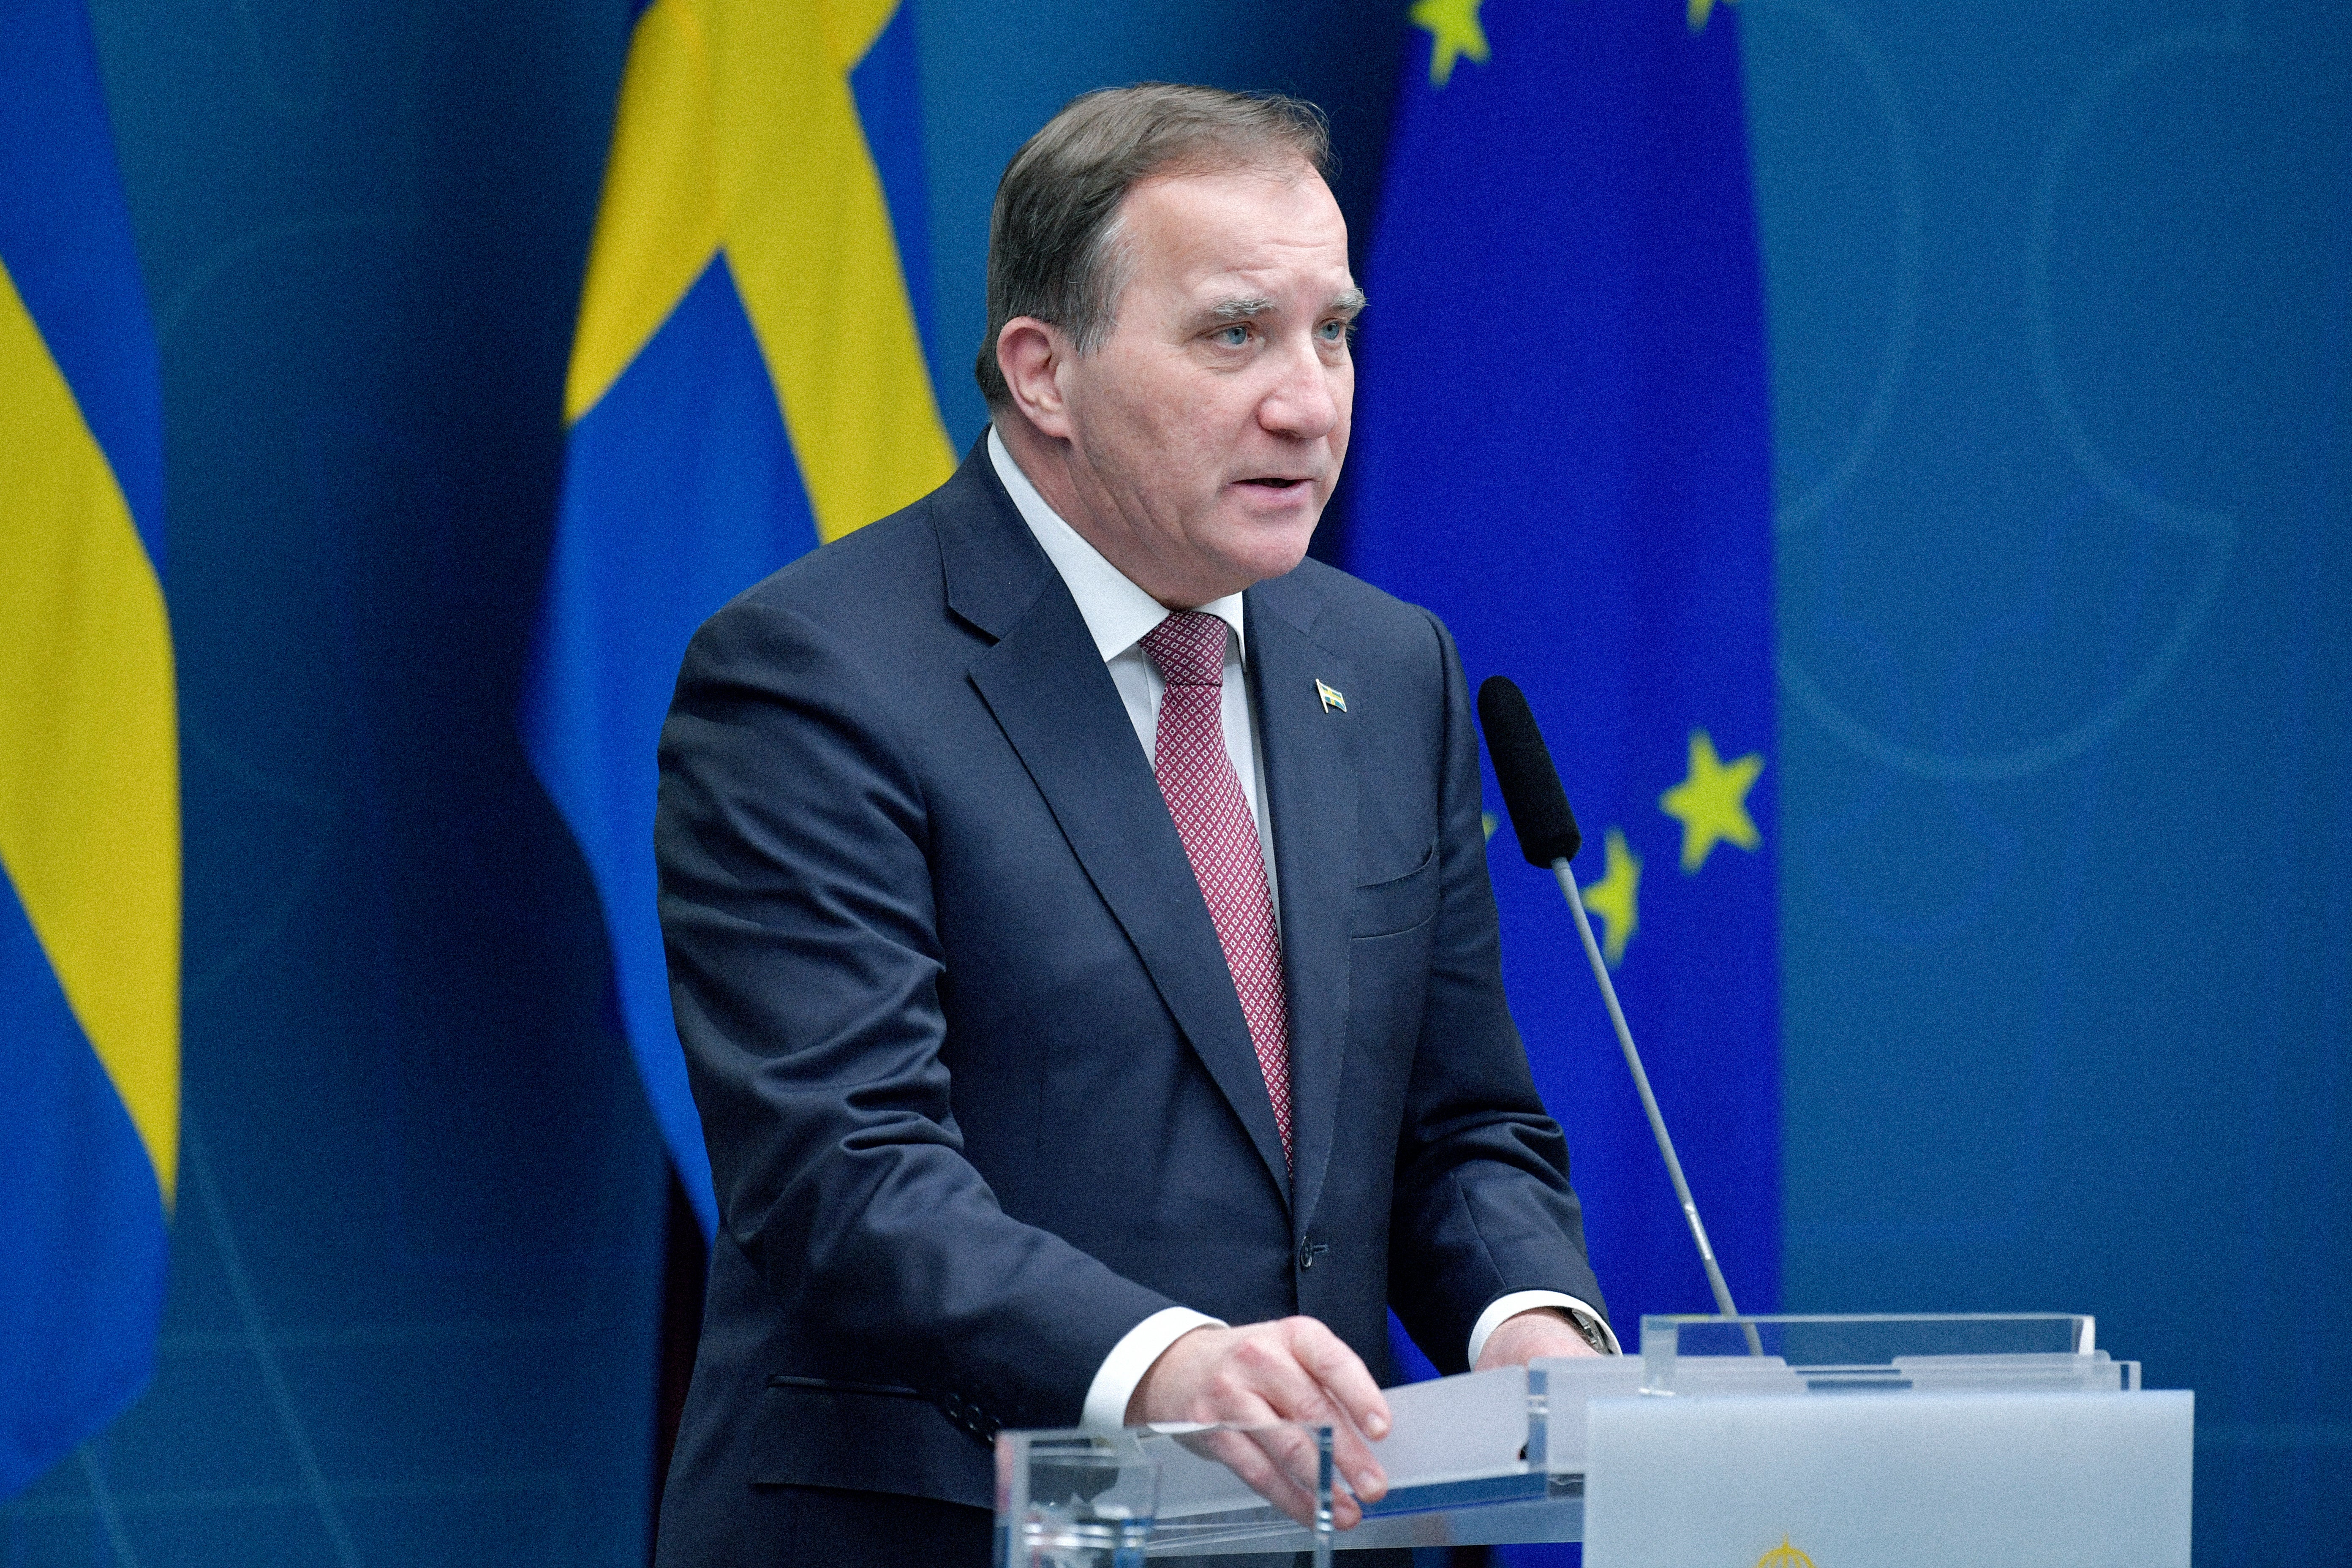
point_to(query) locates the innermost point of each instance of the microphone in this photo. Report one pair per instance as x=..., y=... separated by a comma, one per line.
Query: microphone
x=1523, y=766
x=1547, y=832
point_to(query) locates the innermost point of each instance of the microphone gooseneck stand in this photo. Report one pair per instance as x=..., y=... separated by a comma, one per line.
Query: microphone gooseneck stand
x=1548, y=835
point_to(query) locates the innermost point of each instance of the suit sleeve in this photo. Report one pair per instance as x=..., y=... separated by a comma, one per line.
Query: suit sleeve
x=805, y=970
x=1484, y=1206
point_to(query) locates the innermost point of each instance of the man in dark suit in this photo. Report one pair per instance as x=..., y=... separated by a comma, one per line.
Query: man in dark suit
x=1078, y=910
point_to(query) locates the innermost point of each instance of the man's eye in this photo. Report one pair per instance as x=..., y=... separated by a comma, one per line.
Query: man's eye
x=1234, y=337
x=1332, y=332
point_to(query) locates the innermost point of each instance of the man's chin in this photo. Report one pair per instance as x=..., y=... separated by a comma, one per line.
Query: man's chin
x=1266, y=542
x=1262, y=562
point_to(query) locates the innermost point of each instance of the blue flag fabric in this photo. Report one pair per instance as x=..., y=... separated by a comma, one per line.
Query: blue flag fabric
x=1563, y=449
x=747, y=381
x=89, y=803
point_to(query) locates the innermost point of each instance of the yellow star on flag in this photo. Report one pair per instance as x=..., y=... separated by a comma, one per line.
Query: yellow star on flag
x=1453, y=31
x=1712, y=801
x=1700, y=10
x=1614, y=898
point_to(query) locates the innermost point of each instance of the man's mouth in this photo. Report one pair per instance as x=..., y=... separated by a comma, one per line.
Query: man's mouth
x=1276, y=482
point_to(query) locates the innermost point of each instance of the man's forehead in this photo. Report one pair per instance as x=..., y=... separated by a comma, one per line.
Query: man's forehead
x=1241, y=220
x=1188, y=177
x=1234, y=244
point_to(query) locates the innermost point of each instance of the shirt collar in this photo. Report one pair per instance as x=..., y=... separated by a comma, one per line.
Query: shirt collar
x=1116, y=611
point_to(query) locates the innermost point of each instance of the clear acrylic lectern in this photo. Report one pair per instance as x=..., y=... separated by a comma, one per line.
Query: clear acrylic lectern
x=1922, y=1440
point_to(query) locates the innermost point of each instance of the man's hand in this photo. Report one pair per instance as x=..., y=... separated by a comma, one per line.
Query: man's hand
x=1292, y=1370
x=1530, y=1336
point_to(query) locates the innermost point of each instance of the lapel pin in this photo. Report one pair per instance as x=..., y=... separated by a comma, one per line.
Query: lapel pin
x=1331, y=698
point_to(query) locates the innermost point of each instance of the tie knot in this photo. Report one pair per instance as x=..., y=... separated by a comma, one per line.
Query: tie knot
x=1188, y=648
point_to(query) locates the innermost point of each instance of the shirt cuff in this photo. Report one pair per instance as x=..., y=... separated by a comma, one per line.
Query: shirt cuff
x=1519, y=1301
x=1116, y=1380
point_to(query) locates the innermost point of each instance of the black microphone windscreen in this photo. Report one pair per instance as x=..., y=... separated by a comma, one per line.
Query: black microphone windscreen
x=1531, y=793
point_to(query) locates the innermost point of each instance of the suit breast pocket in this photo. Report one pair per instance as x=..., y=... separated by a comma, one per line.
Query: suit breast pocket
x=1397, y=903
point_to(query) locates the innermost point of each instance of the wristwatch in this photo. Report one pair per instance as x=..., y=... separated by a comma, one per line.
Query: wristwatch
x=1594, y=1335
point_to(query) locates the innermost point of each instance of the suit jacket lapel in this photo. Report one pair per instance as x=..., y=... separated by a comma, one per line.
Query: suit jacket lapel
x=1311, y=781
x=1045, y=684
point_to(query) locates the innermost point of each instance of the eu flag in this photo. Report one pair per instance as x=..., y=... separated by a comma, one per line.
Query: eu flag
x=1563, y=449
x=90, y=791
x=746, y=380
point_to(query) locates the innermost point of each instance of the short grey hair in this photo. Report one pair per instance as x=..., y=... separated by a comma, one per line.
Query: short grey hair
x=1054, y=248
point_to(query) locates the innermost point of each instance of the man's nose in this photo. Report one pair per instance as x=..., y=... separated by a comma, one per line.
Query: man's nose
x=1304, y=401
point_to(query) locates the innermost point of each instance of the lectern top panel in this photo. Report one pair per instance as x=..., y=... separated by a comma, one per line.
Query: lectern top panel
x=1790, y=1352
x=1805, y=1340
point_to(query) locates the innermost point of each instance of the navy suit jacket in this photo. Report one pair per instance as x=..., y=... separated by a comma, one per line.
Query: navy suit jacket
x=976, y=1084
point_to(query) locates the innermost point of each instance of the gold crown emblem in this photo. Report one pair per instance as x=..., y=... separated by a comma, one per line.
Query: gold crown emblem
x=1784, y=1556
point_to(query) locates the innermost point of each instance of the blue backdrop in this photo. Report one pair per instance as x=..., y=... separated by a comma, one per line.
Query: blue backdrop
x=2056, y=301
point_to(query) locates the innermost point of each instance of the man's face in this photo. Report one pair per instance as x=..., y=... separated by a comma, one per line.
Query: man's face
x=1206, y=433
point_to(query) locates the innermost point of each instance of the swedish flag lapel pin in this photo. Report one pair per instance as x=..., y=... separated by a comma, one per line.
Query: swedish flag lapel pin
x=1331, y=698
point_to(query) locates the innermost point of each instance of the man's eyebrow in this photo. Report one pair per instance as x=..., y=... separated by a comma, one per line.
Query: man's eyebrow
x=1240, y=308
x=1249, y=307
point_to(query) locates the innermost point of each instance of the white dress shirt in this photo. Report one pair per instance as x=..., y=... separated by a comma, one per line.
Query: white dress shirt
x=1117, y=614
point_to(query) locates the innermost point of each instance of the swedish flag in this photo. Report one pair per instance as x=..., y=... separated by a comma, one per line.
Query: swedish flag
x=747, y=381
x=1563, y=447
x=89, y=796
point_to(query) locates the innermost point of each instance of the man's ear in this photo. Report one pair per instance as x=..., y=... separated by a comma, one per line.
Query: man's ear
x=1032, y=354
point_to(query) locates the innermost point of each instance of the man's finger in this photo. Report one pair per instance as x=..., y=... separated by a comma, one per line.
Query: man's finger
x=1266, y=1432
x=1345, y=1397
x=1274, y=1475
x=1341, y=1372
x=1351, y=1457
x=1296, y=1456
x=1278, y=1460
x=1292, y=1370
x=1263, y=1441
x=1284, y=1368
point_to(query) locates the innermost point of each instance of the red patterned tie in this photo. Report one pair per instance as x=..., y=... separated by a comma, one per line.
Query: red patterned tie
x=1213, y=818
